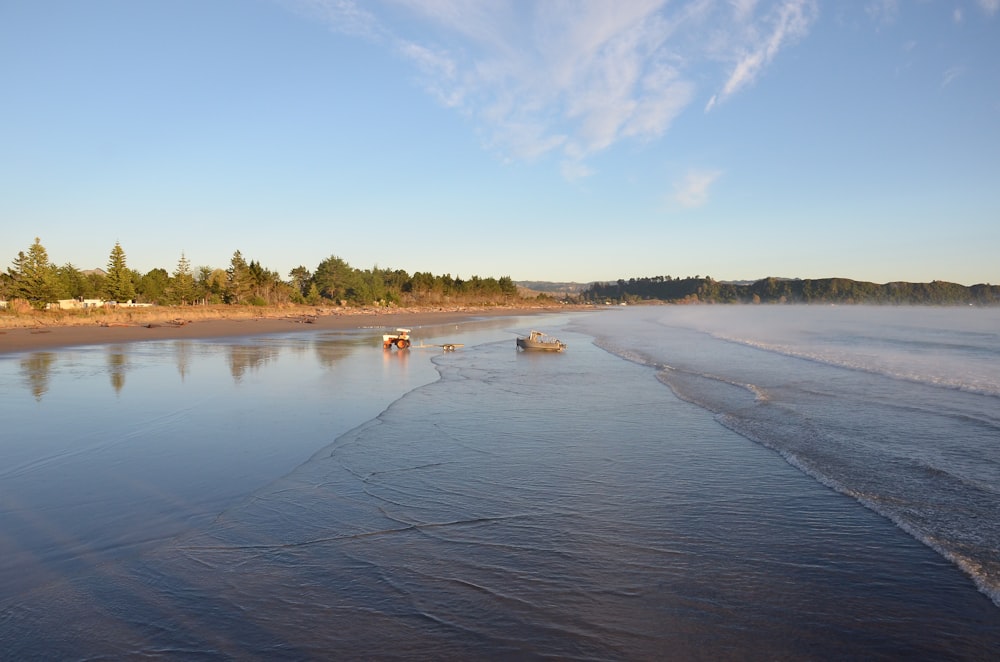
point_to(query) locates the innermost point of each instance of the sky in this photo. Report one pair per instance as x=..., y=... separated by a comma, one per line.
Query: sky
x=553, y=140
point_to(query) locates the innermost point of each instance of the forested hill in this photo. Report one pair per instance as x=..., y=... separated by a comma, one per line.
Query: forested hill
x=780, y=290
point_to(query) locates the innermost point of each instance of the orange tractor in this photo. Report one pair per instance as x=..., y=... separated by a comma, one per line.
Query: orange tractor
x=401, y=339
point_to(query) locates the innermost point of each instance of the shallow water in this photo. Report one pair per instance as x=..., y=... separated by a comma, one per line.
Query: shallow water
x=896, y=407
x=275, y=500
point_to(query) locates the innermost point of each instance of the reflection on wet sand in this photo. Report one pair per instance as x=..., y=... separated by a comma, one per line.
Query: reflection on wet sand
x=243, y=358
x=118, y=363
x=330, y=351
x=395, y=357
x=182, y=356
x=36, y=368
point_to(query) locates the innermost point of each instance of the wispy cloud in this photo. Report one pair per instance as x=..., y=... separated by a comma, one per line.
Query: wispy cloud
x=692, y=190
x=989, y=7
x=784, y=24
x=573, y=170
x=883, y=11
x=344, y=16
x=951, y=74
x=576, y=77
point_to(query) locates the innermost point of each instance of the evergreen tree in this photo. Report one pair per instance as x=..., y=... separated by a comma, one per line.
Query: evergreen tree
x=313, y=297
x=212, y=284
x=183, y=285
x=301, y=279
x=239, y=280
x=93, y=285
x=119, y=285
x=72, y=282
x=33, y=277
x=334, y=278
x=153, y=287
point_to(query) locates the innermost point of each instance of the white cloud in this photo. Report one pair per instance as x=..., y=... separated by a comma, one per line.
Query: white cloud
x=438, y=69
x=990, y=6
x=341, y=15
x=575, y=77
x=743, y=9
x=575, y=170
x=692, y=190
x=786, y=23
x=883, y=11
x=951, y=74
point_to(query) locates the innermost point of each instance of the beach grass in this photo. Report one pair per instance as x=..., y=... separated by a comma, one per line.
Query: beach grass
x=24, y=317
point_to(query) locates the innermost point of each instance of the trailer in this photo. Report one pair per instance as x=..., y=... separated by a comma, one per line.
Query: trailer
x=400, y=339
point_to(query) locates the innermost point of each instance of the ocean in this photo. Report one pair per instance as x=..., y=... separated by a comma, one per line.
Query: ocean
x=683, y=482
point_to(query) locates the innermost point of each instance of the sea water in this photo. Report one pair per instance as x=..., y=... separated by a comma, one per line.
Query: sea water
x=748, y=483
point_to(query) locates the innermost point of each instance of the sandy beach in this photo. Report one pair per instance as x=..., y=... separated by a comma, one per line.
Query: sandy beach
x=178, y=323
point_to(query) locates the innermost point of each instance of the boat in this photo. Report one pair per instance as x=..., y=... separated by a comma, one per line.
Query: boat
x=539, y=341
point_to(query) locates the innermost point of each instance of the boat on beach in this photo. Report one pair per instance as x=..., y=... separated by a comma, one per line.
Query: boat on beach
x=539, y=341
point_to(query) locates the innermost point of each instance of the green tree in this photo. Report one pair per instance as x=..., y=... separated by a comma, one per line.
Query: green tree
x=153, y=286
x=267, y=285
x=212, y=284
x=301, y=279
x=182, y=285
x=94, y=285
x=368, y=287
x=119, y=285
x=333, y=278
x=507, y=286
x=33, y=277
x=72, y=282
x=313, y=297
x=239, y=280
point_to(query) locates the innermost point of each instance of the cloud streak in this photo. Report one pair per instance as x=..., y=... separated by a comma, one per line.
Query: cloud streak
x=991, y=7
x=692, y=190
x=574, y=78
x=785, y=24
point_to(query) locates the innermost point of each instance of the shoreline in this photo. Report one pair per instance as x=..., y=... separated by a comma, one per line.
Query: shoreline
x=16, y=340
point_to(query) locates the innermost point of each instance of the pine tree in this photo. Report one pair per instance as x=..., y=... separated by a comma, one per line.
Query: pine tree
x=119, y=286
x=239, y=280
x=183, y=285
x=33, y=276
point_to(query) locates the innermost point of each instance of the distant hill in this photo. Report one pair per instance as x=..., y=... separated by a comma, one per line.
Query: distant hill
x=790, y=290
x=534, y=287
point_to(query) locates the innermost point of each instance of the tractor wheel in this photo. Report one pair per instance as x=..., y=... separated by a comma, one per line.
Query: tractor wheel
x=401, y=343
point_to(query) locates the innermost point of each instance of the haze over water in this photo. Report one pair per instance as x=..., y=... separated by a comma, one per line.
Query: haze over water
x=309, y=495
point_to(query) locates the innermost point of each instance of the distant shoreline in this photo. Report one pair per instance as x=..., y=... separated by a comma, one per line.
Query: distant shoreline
x=40, y=333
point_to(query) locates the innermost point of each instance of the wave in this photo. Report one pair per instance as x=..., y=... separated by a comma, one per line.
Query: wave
x=985, y=384
x=982, y=567
x=944, y=506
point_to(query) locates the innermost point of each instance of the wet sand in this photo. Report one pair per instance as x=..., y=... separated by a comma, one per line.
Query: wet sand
x=14, y=340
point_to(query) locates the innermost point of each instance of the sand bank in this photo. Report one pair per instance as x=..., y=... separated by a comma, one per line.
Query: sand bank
x=53, y=336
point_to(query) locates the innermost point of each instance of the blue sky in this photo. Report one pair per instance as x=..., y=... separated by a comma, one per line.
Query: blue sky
x=544, y=140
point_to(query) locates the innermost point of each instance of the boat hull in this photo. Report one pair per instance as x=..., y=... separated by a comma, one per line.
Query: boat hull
x=535, y=342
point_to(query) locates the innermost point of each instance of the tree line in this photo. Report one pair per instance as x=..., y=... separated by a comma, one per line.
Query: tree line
x=783, y=290
x=35, y=279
